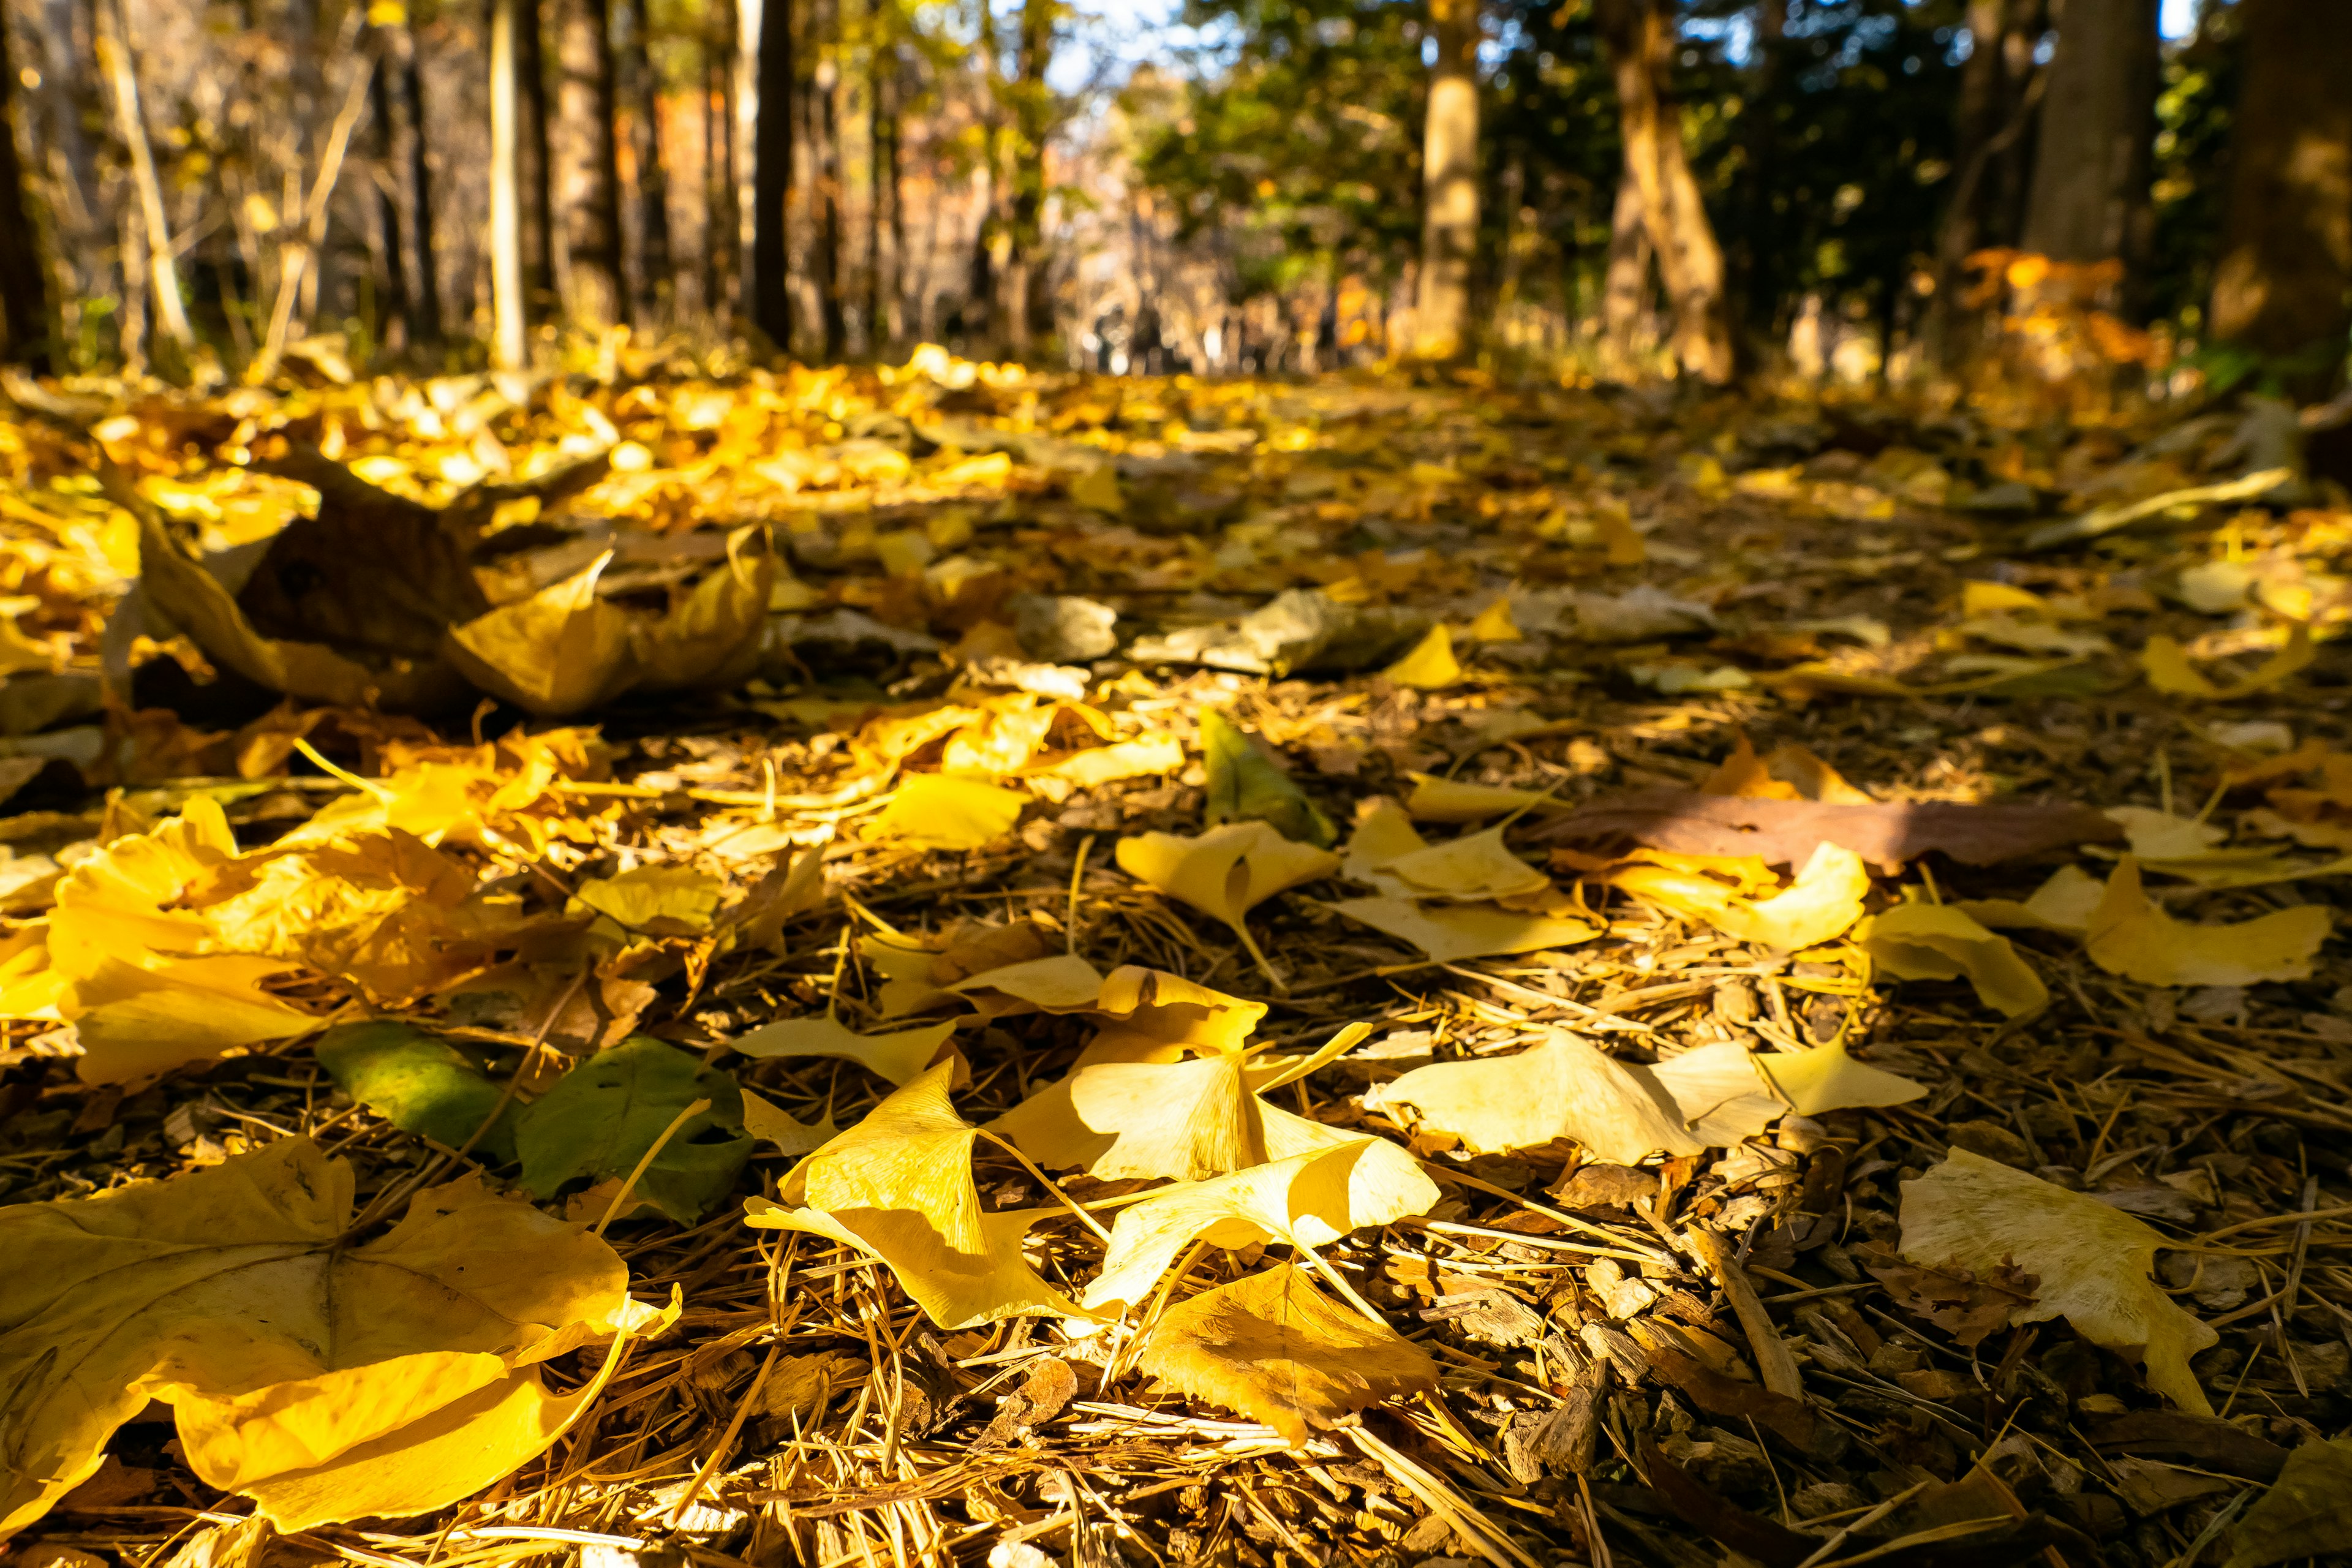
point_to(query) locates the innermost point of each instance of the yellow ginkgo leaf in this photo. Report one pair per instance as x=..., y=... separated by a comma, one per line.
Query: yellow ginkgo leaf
x=1494, y=623
x=1445, y=800
x=2129, y=935
x=2061, y=904
x=1147, y=1015
x=2170, y=670
x=558, y=651
x=2091, y=1262
x=233, y=1295
x=1978, y=597
x=1449, y=933
x=1566, y=1088
x=933, y=811
x=1430, y=666
x=1274, y=1347
x=1932, y=941
x=1473, y=867
x=1096, y=487
x=901, y=1058
x=898, y=1187
x=1313, y=1197
x=781, y=1129
x=1226, y=871
x=1827, y=1078
x=1821, y=904
x=1064, y=983
x=1099, y=766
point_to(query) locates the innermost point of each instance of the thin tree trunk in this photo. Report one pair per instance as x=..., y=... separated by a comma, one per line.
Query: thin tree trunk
x=171, y=311
x=877, y=115
x=397, y=300
x=1032, y=122
x=825, y=141
x=2090, y=194
x=1690, y=262
x=771, y=157
x=2000, y=87
x=420, y=195
x=24, y=291
x=2285, y=268
x=655, y=282
x=1625, y=284
x=1449, y=184
x=589, y=158
x=509, y=349
x=894, y=183
x=723, y=222
x=1752, y=295
x=535, y=160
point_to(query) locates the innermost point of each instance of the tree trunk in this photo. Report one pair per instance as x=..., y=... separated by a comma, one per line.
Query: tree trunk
x=535, y=161
x=1753, y=292
x=1690, y=262
x=2090, y=192
x=1032, y=115
x=420, y=191
x=1449, y=184
x=772, y=155
x=24, y=291
x=2285, y=266
x=171, y=311
x=397, y=298
x=508, y=348
x=889, y=326
x=2000, y=87
x=655, y=282
x=589, y=158
x=1625, y=285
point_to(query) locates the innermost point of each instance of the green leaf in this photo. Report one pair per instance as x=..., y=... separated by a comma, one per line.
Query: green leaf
x=602, y=1116
x=2306, y=1512
x=420, y=1083
x=1244, y=786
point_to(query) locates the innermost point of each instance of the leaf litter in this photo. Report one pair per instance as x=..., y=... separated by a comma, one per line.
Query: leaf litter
x=1279, y=972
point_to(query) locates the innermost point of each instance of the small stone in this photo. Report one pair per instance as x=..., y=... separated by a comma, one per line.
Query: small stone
x=1061, y=628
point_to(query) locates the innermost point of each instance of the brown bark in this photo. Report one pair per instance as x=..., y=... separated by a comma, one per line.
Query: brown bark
x=589, y=158
x=2001, y=88
x=772, y=307
x=2090, y=194
x=24, y=292
x=1032, y=122
x=420, y=188
x=722, y=227
x=535, y=160
x=823, y=129
x=1449, y=184
x=655, y=282
x=1625, y=283
x=163, y=275
x=397, y=303
x=2285, y=266
x=1690, y=262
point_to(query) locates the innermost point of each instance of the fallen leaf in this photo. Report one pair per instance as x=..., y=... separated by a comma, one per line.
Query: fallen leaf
x=420, y=1083
x=599, y=1119
x=2169, y=671
x=1921, y=940
x=1147, y=1015
x=655, y=901
x=1274, y=1347
x=327, y=1381
x=1787, y=832
x=1449, y=933
x=898, y=1187
x=900, y=1055
x=1494, y=623
x=1313, y=1197
x=1431, y=665
x=2063, y=904
x=2302, y=1513
x=2129, y=935
x=786, y=1134
x=2094, y=1261
x=1790, y=773
x=1226, y=871
x=1954, y=1300
x=1245, y=786
x=1827, y=1078
x=933, y=811
x=1823, y=901
x=1446, y=800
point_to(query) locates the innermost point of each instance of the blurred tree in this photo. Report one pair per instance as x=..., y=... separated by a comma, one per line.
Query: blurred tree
x=535, y=162
x=772, y=162
x=1033, y=118
x=2280, y=287
x=1999, y=89
x=163, y=273
x=24, y=294
x=1449, y=183
x=2089, y=200
x=588, y=156
x=1681, y=236
x=508, y=345
x=641, y=94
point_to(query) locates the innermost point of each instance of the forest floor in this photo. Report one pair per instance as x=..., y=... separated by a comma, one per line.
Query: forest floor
x=1993, y=766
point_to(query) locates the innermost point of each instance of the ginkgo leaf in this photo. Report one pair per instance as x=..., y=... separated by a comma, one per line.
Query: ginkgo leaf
x=1312, y=1197
x=1827, y=1078
x=600, y=1119
x=2129, y=935
x=2061, y=904
x=1226, y=871
x=933, y=811
x=1823, y=900
x=2170, y=670
x=2093, y=1262
x=214, y=1289
x=900, y=1055
x=420, y=1083
x=562, y=649
x=898, y=1187
x=1430, y=666
x=1494, y=623
x=1274, y=1347
x=656, y=901
x=1474, y=867
x=1449, y=933
x=1094, y=766
x=1244, y=786
x=772, y=1124
x=1149, y=1015
x=1064, y=983
x=1447, y=800
x=1936, y=942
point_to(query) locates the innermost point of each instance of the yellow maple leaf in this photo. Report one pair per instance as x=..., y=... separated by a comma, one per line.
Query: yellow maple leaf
x=1275, y=1348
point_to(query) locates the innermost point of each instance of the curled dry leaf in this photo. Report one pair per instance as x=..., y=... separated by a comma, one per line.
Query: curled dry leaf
x=1274, y=1347
x=1937, y=941
x=1226, y=871
x=1787, y=832
x=2129, y=935
x=899, y=1056
x=1149, y=1015
x=898, y=1187
x=325, y=1381
x=1245, y=786
x=1566, y=1088
x=2094, y=1261
x=1956, y=1301
x=1313, y=1198
x=1822, y=903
